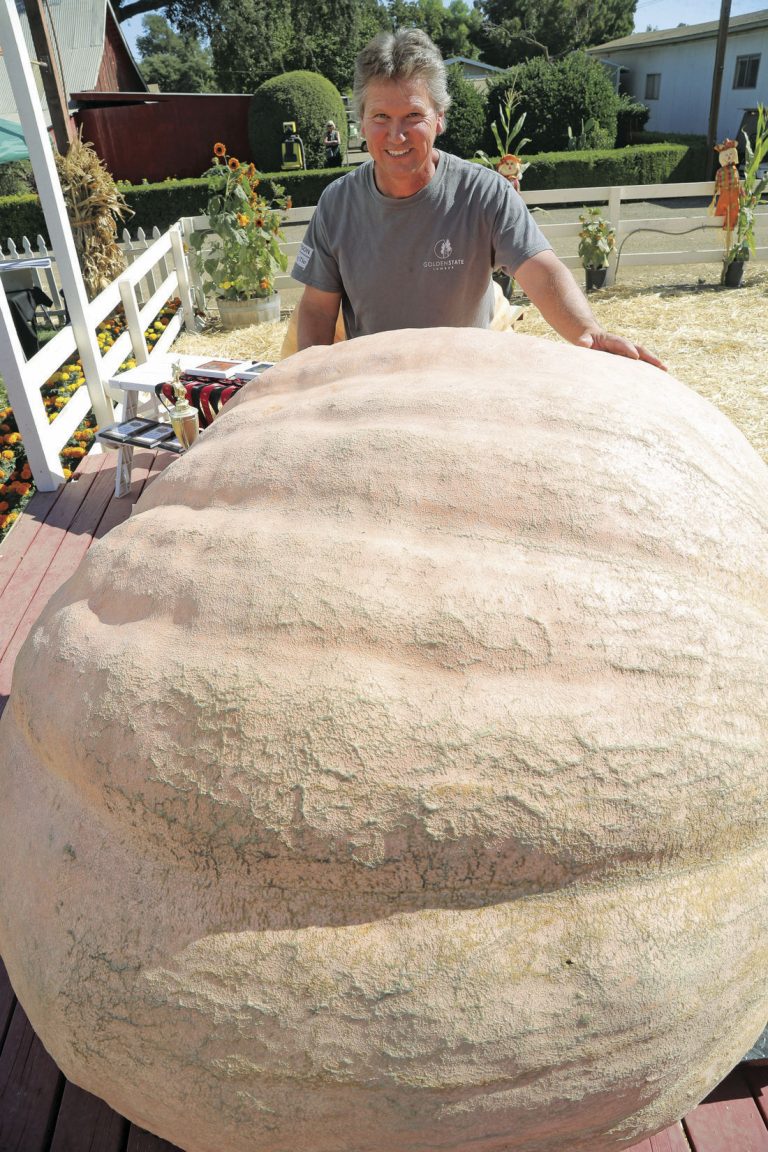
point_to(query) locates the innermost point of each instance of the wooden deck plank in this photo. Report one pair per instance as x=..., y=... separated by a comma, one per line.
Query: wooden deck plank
x=26, y=578
x=64, y=562
x=729, y=1120
x=19, y=540
x=672, y=1139
x=87, y=1124
x=30, y=1089
x=7, y=1003
x=756, y=1076
x=140, y=1140
x=146, y=464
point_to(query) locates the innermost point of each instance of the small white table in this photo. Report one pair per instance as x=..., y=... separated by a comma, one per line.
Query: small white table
x=143, y=378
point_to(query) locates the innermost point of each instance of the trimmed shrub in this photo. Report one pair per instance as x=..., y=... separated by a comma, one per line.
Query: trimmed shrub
x=640, y=164
x=558, y=95
x=304, y=97
x=22, y=216
x=632, y=118
x=466, y=116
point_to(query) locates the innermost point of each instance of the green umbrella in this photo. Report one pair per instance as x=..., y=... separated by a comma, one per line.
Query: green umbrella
x=12, y=143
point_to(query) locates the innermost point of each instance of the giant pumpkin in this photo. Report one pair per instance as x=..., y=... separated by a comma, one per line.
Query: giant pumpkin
x=394, y=778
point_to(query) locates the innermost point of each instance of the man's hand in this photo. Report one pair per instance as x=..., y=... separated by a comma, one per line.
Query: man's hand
x=550, y=286
x=618, y=346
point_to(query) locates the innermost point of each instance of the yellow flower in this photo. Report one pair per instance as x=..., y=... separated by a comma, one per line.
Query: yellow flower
x=242, y=219
x=264, y=284
x=7, y=454
x=234, y=163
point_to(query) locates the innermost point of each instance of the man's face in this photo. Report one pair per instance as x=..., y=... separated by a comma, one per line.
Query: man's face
x=400, y=125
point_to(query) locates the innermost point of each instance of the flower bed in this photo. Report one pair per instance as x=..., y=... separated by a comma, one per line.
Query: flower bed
x=16, y=483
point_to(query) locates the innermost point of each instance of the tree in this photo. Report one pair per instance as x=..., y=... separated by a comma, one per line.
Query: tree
x=250, y=43
x=515, y=30
x=328, y=34
x=176, y=63
x=466, y=116
x=252, y=40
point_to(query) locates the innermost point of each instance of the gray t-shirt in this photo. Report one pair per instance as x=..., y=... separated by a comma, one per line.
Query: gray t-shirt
x=420, y=262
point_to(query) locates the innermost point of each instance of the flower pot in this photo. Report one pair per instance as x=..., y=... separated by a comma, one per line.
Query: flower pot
x=733, y=274
x=595, y=278
x=243, y=313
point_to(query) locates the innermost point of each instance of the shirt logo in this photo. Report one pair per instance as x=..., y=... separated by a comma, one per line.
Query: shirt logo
x=303, y=255
x=446, y=260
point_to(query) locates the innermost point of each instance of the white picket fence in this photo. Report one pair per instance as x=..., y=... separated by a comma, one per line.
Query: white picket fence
x=157, y=271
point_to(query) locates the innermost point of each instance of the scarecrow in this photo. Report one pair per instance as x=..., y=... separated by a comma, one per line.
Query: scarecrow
x=511, y=169
x=727, y=197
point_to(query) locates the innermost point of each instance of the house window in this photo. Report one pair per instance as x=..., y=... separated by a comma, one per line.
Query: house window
x=746, y=71
x=652, y=85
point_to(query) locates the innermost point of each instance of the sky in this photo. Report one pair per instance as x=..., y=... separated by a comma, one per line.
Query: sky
x=657, y=13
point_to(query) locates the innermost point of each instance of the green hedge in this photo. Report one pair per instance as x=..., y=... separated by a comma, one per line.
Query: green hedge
x=159, y=204
x=640, y=164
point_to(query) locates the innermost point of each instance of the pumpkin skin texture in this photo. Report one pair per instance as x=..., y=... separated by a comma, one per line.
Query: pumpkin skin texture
x=393, y=779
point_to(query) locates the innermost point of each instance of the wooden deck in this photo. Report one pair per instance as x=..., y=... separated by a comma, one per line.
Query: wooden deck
x=39, y=1110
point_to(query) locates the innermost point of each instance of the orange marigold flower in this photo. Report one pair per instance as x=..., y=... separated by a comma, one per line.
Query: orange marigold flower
x=264, y=283
x=234, y=163
x=26, y=472
x=242, y=219
x=219, y=149
x=4, y=505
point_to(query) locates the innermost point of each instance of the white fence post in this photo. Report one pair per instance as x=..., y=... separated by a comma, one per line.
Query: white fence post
x=614, y=217
x=182, y=272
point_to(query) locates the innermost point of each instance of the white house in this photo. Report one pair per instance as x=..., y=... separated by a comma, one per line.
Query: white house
x=671, y=72
x=476, y=71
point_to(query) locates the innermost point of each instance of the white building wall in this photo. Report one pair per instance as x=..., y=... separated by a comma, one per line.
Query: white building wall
x=686, y=70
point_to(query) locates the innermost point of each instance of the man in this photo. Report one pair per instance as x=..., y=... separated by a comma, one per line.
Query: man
x=410, y=240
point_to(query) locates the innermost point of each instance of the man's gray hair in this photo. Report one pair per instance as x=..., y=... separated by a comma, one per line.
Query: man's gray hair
x=403, y=55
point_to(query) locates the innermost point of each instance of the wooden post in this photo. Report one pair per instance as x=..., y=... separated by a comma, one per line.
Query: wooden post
x=45, y=50
x=717, y=83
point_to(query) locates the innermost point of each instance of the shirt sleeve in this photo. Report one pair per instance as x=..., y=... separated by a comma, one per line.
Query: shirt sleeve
x=315, y=264
x=517, y=237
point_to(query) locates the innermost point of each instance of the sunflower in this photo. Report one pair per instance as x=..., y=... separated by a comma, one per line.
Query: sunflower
x=234, y=163
x=219, y=149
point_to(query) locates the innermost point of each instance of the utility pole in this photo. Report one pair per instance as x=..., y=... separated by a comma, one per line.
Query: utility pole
x=717, y=83
x=53, y=83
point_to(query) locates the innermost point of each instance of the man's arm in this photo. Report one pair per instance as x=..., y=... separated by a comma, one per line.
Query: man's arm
x=317, y=317
x=550, y=286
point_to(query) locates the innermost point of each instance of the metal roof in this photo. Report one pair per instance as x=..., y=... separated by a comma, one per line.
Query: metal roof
x=78, y=36
x=684, y=32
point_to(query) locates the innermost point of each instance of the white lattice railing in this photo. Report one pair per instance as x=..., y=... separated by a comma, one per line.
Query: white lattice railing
x=157, y=271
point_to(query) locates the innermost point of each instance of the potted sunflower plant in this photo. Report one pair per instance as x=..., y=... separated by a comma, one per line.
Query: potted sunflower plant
x=597, y=239
x=753, y=185
x=239, y=259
